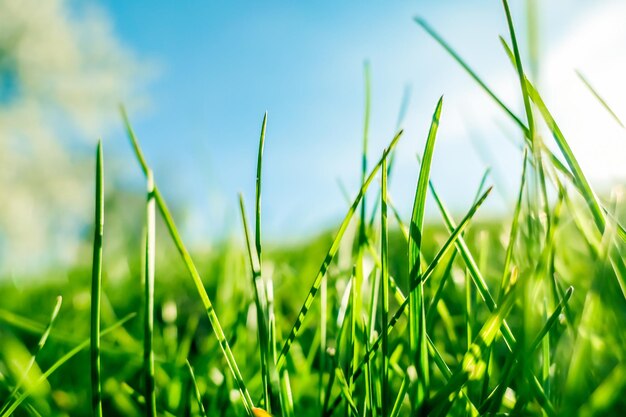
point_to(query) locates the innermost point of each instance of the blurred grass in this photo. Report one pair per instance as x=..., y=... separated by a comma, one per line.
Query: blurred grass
x=179, y=316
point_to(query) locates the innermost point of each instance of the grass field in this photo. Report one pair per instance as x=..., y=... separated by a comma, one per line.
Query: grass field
x=383, y=316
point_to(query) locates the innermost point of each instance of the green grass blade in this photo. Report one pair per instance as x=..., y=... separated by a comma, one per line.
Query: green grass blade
x=42, y=341
x=535, y=141
x=508, y=257
x=606, y=394
x=437, y=296
x=417, y=309
x=257, y=284
x=384, y=257
x=520, y=71
x=346, y=391
x=355, y=313
x=256, y=274
x=472, y=366
x=60, y=362
x=404, y=302
x=477, y=277
x=397, y=405
x=366, y=127
x=196, y=390
x=148, y=336
x=553, y=159
x=580, y=179
x=328, y=259
x=421, y=22
x=96, y=286
x=464, y=251
x=193, y=271
x=494, y=399
x=259, y=166
x=599, y=98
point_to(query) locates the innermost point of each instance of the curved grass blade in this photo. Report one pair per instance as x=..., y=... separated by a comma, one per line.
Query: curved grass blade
x=60, y=362
x=384, y=257
x=193, y=271
x=371, y=352
x=257, y=283
x=196, y=390
x=452, y=239
x=520, y=71
x=494, y=399
x=433, y=34
x=480, y=283
x=421, y=22
x=417, y=309
x=606, y=394
x=42, y=341
x=580, y=179
x=366, y=127
x=472, y=366
x=96, y=286
x=148, y=336
x=577, y=176
x=328, y=259
x=346, y=391
x=535, y=141
x=259, y=166
x=397, y=405
x=599, y=98
x=437, y=296
x=508, y=257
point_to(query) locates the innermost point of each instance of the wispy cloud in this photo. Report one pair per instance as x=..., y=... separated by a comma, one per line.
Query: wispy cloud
x=62, y=73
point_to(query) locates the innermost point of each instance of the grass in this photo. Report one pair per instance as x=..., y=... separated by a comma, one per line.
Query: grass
x=514, y=316
x=149, y=272
x=96, y=285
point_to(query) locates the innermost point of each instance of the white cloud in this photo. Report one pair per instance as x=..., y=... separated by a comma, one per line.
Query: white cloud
x=595, y=45
x=62, y=74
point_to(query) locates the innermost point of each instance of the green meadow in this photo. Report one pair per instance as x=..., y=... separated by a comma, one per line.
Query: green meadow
x=435, y=314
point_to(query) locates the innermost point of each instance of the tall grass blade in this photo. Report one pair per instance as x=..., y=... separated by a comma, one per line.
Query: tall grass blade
x=535, y=140
x=196, y=390
x=417, y=309
x=384, y=257
x=404, y=302
x=257, y=281
x=433, y=34
x=148, y=336
x=494, y=399
x=580, y=179
x=508, y=257
x=397, y=405
x=478, y=279
x=259, y=170
x=520, y=71
x=366, y=127
x=193, y=271
x=599, y=98
x=576, y=176
x=257, y=284
x=473, y=366
x=328, y=259
x=96, y=286
x=421, y=22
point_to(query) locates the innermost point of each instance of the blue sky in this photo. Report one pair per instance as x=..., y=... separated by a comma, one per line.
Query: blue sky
x=221, y=65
